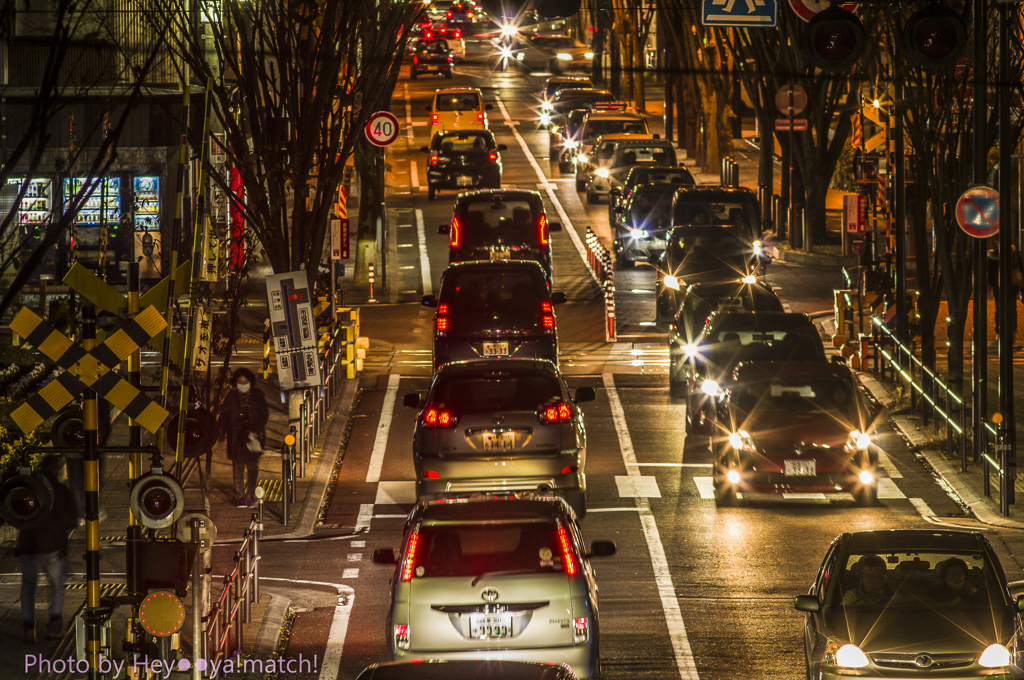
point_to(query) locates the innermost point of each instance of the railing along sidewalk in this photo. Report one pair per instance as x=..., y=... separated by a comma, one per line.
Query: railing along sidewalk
x=223, y=625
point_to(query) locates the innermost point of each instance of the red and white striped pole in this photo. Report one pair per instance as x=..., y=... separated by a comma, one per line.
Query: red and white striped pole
x=371, y=299
x=609, y=301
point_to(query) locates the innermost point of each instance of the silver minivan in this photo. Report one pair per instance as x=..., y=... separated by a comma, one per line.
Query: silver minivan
x=495, y=577
x=500, y=425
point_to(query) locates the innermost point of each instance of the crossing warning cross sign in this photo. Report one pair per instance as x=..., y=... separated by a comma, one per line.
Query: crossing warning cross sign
x=88, y=369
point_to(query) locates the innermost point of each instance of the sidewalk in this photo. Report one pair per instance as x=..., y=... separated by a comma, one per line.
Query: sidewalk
x=261, y=634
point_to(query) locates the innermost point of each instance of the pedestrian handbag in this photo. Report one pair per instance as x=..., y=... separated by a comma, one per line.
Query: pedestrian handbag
x=253, y=444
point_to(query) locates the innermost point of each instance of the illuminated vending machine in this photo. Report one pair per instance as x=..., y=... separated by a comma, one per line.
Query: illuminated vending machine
x=96, y=232
x=146, y=236
x=34, y=213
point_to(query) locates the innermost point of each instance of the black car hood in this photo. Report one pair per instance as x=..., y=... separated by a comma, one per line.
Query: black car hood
x=921, y=629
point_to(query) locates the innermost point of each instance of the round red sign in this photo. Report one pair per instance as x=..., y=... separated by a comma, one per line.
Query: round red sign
x=382, y=129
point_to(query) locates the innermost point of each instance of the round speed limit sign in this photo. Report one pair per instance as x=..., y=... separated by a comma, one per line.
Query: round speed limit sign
x=382, y=129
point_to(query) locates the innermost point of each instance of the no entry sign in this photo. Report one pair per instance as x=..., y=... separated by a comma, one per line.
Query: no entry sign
x=382, y=129
x=977, y=212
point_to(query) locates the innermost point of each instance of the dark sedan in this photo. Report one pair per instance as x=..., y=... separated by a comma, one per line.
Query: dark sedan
x=463, y=159
x=911, y=603
x=640, y=175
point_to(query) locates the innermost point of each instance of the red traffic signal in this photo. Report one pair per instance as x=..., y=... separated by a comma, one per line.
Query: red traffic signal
x=934, y=37
x=835, y=39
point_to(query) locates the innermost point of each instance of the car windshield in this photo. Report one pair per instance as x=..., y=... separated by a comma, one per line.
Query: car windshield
x=495, y=392
x=553, y=89
x=596, y=128
x=433, y=47
x=641, y=175
x=941, y=581
x=709, y=248
x=549, y=43
x=703, y=210
x=464, y=142
x=606, y=151
x=500, y=298
x=497, y=222
x=738, y=344
x=794, y=394
x=446, y=550
x=463, y=101
x=626, y=156
x=651, y=207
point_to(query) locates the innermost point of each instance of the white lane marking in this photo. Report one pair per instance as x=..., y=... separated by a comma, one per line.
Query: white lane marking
x=421, y=235
x=354, y=557
x=705, y=487
x=414, y=174
x=887, y=489
x=922, y=507
x=566, y=222
x=885, y=462
x=350, y=573
x=804, y=496
x=631, y=486
x=364, y=516
x=408, y=116
x=396, y=493
x=380, y=443
x=390, y=516
x=339, y=626
x=358, y=544
x=662, y=576
x=590, y=510
x=679, y=465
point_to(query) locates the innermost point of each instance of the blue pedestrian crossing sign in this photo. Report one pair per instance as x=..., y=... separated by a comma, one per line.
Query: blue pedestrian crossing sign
x=739, y=13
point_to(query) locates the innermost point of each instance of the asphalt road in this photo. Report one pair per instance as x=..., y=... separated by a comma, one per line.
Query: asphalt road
x=694, y=591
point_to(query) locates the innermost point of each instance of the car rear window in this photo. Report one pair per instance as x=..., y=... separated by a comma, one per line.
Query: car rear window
x=798, y=394
x=467, y=142
x=478, y=549
x=499, y=298
x=499, y=391
x=652, y=206
x=549, y=43
x=463, y=101
x=761, y=345
x=433, y=47
x=596, y=128
x=483, y=222
x=650, y=155
x=702, y=210
x=642, y=175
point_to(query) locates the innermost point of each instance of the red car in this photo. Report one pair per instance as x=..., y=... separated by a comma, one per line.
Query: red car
x=789, y=427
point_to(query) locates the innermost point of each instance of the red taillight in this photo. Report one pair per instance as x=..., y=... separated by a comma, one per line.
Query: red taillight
x=429, y=36
x=456, y=235
x=568, y=554
x=580, y=630
x=549, y=322
x=431, y=474
x=568, y=469
x=458, y=35
x=542, y=229
x=415, y=59
x=545, y=306
x=470, y=15
x=449, y=15
x=434, y=158
x=409, y=564
x=402, y=635
x=433, y=119
x=480, y=117
x=440, y=418
x=555, y=413
x=493, y=156
x=442, y=323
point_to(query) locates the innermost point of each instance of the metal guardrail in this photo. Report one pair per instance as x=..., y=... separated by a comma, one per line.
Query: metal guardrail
x=222, y=626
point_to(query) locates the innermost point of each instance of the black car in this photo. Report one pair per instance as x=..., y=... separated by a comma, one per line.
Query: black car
x=431, y=56
x=505, y=224
x=701, y=300
x=494, y=309
x=642, y=225
x=717, y=206
x=569, y=138
x=553, y=113
x=461, y=14
x=698, y=369
x=884, y=604
x=640, y=175
x=463, y=159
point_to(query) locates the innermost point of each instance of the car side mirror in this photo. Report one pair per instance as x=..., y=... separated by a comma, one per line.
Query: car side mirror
x=602, y=549
x=412, y=400
x=444, y=228
x=656, y=136
x=558, y=298
x=427, y=107
x=838, y=360
x=584, y=394
x=384, y=556
x=807, y=603
x=554, y=226
x=502, y=147
x=489, y=107
x=429, y=301
x=425, y=149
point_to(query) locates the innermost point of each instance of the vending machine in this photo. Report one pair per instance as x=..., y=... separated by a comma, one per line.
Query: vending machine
x=34, y=213
x=97, y=229
x=146, y=246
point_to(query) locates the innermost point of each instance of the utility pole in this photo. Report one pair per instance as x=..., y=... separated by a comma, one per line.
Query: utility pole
x=1007, y=307
x=979, y=362
x=900, y=217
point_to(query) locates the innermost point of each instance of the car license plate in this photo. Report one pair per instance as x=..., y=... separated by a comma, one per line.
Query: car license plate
x=484, y=626
x=464, y=181
x=431, y=68
x=499, y=441
x=495, y=349
x=801, y=468
x=499, y=254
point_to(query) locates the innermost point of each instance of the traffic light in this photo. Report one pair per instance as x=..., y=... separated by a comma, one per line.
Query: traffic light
x=835, y=39
x=26, y=499
x=935, y=36
x=156, y=499
x=68, y=427
x=200, y=431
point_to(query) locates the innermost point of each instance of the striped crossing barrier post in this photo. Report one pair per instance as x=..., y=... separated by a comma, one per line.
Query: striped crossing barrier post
x=609, y=301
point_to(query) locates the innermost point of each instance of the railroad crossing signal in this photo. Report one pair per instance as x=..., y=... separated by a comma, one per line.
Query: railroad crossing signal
x=88, y=369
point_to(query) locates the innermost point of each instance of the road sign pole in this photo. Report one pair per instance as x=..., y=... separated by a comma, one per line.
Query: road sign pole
x=1007, y=307
x=793, y=228
x=134, y=377
x=979, y=361
x=92, y=507
x=383, y=224
x=900, y=226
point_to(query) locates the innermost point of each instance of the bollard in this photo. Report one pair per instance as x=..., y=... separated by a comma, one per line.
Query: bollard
x=287, y=451
x=609, y=297
x=371, y=283
x=776, y=212
x=734, y=173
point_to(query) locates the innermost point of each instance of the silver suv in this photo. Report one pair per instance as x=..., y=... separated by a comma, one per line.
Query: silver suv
x=505, y=578
x=500, y=425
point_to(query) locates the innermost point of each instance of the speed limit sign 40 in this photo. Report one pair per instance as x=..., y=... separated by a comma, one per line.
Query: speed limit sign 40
x=382, y=129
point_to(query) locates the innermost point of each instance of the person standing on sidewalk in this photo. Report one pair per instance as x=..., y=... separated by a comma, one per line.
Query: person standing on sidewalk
x=243, y=422
x=44, y=547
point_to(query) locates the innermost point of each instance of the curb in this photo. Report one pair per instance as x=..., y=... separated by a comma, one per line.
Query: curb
x=793, y=257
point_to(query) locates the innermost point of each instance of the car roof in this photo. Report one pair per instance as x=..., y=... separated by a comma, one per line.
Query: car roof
x=626, y=136
x=581, y=93
x=902, y=540
x=475, y=366
x=565, y=79
x=606, y=114
x=756, y=369
x=458, y=90
x=716, y=192
x=464, y=669
x=491, y=507
x=489, y=265
x=761, y=320
x=498, y=193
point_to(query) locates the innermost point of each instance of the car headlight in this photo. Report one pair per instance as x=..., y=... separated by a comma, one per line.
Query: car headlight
x=508, y=30
x=582, y=158
x=713, y=389
x=995, y=656
x=589, y=55
x=602, y=173
x=564, y=56
x=637, y=233
x=758, y=248
x=858, y=440
x=850, y=656
x=545, y=119
x=506, y=53
x=690, y=350
x=547, y=106
x=570, y=144
x=740, y=440
x=671, y=282
x=749, y=280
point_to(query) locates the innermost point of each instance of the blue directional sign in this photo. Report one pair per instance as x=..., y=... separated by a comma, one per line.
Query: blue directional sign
x=739, y=13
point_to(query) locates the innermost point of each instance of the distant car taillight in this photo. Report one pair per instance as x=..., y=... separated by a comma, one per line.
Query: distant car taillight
x=402, y=635
x=431, y=474
x=458, y=35
x=542, y=229
x=568, y=552
x=493, y=156
x=441, y=321
x=551, y=414
x=434, y=158
x=409, y=563
x=415, y=59
x=440, y=418
x=480, y=117
x=580, y=630
x=434, y=119
x=456, y=233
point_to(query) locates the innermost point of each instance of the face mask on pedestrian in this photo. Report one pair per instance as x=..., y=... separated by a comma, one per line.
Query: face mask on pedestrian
x=242, y=387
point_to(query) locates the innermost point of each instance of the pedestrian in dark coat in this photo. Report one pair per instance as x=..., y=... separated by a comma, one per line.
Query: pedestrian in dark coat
x=243, y=422
x=44, y=547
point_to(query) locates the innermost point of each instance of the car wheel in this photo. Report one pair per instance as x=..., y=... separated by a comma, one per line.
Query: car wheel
x=726, y=497
x=431, y=193
x=592, y=198
x=577, y=499
x=868, y=496
x=581, y=185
